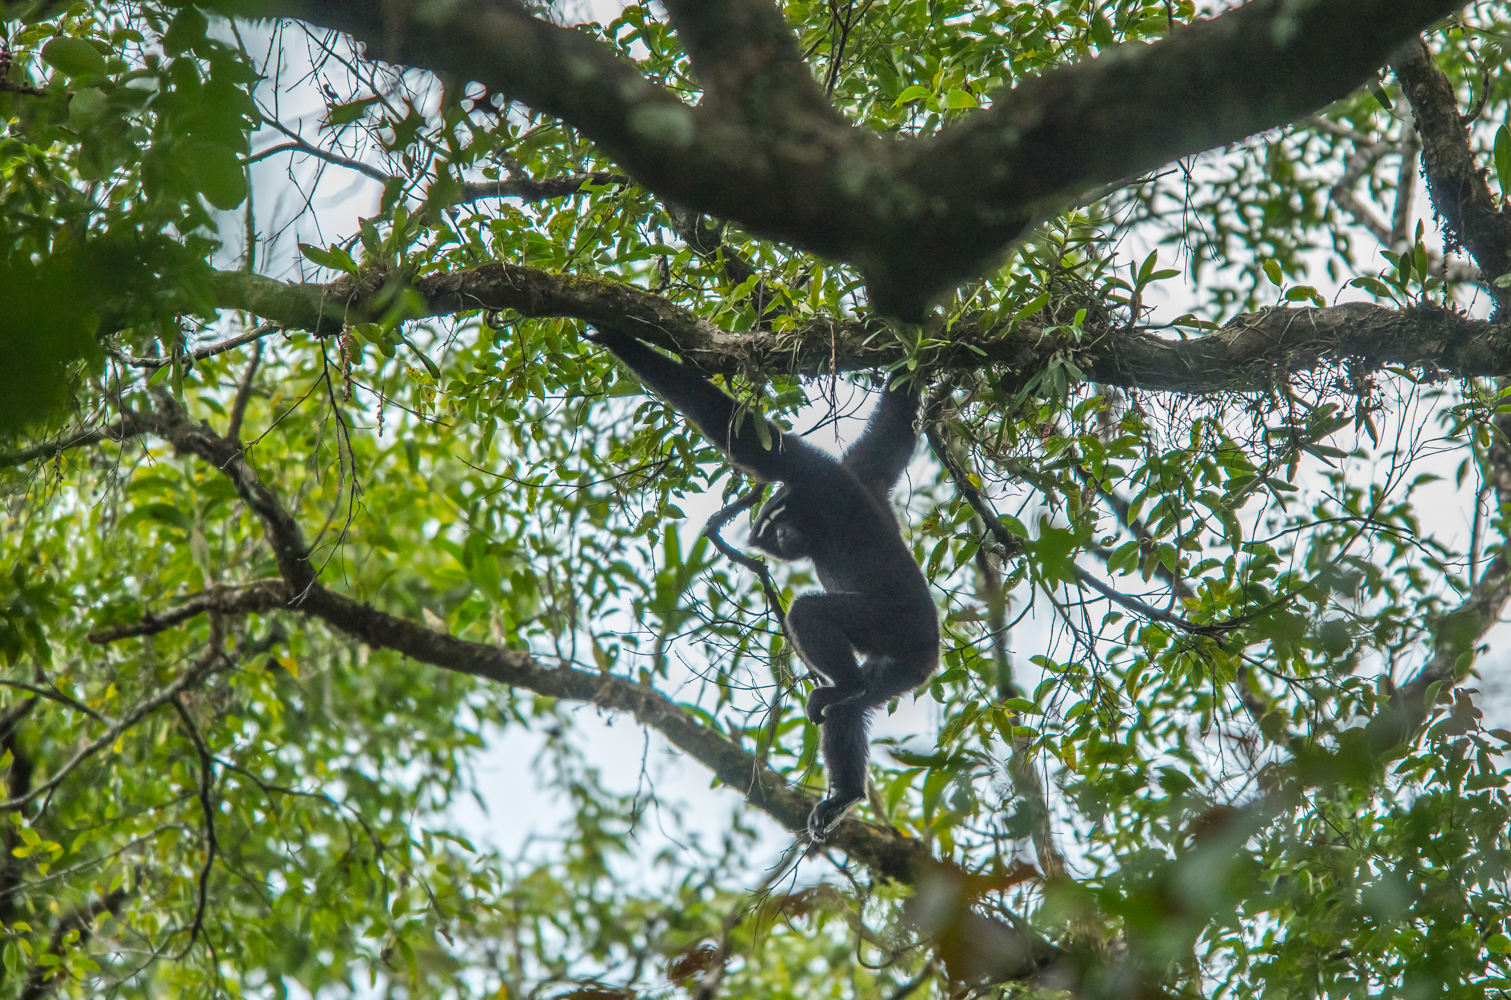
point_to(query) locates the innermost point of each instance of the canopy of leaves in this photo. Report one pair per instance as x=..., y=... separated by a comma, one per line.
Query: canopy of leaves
x=315, y=493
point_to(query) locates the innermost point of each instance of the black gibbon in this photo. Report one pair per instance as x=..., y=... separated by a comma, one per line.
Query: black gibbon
x=836, y=513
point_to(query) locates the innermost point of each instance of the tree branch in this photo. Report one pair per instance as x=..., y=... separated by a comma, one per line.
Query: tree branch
x=1457, y=185
x=255, y=598
x=537, y=189
x=916, y=217
x=1252, y=353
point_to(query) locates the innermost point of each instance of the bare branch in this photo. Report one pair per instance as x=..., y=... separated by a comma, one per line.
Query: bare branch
x=538, y=189
x=299, y=144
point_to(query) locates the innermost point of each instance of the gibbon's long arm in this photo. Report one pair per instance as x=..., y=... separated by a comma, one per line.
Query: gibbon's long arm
x=836, y=513
x=711, y=410
x=883, y=451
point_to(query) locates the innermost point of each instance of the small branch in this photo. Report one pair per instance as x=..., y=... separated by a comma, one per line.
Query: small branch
x=51, y=694
x=1411, y=147
x=254, y=334
x=207, y=805
x=212, y=657
x=708, y=242
x=54, y=448
x=253, y=598
x=243, y=395
x=1140, y=532
x=1358, y=164
x=42, y=980
x=298, y=144
x=11, y=87
x=538, y=189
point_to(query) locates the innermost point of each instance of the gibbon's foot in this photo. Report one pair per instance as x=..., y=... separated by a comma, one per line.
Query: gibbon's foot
x=826, y=816
x=824, y=698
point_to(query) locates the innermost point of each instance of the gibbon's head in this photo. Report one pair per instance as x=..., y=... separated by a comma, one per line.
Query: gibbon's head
x=774, y=532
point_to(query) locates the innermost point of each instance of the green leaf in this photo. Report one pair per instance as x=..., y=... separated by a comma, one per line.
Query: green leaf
x=913, y=93
x=345, y=114
x=1101, y=31
x=88, y=107
x=336, y=259
x=1273, y=272
x=1034, y=305
x=187, y=30
x=217, y=173
x=957, y=99
x=74, y=57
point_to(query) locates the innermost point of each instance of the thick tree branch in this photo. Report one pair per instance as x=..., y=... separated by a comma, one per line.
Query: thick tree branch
x=1252, y=353
x=1454, y=178
x=748, y=61
x=916, y=217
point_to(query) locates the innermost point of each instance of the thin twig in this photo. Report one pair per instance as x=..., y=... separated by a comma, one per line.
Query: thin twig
x=206, y=802
x=757, y=566
x=298, y=144
x=243, y=395
x=254, y=334
x=51, y=694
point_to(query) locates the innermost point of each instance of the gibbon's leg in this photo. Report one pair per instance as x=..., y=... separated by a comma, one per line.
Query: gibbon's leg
x=846, y=752
x=823, y=627
x=829, y=628
x=889, y=675
x=845, y=747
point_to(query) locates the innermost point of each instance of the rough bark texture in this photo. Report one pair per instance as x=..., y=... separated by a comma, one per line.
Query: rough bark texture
x=915, y=216
x=1254, y=352
x=1455, y=178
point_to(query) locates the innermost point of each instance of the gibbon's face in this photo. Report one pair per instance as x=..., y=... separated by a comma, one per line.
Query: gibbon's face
x=774, y=531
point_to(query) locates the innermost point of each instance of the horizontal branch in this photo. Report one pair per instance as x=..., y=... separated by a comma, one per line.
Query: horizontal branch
x=255, y=598
x=538, y=188
x=1253, y=352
